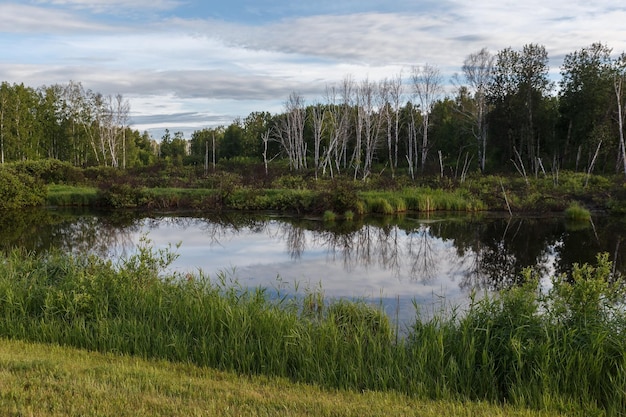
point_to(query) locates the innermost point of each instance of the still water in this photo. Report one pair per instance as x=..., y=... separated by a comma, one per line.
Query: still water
x=395, y=261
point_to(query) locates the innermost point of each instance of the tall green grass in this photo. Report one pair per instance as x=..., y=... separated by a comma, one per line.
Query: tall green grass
x=419, y=199
x=576, y=212
x=563, y=349
x=71, y=195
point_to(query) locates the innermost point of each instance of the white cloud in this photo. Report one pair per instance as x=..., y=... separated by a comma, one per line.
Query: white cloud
x=20, y=18
x=229, y=66
x=114, y=6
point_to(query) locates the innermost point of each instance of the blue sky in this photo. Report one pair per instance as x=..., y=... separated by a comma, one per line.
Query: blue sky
x=189, y=64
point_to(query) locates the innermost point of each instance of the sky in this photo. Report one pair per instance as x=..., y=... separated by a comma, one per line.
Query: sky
x=189, y=64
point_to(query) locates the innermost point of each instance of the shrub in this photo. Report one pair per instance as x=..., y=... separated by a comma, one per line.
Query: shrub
x=50, y=171
x=329, y=216
x=120, y=195
x=577, y=212
x=19, y=190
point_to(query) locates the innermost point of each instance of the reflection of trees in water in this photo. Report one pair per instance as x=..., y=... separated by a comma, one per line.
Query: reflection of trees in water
x=422, y=255
x=495, y=251
x=413, y=254
x=390, y=250
x=484, y=253
x=42, y=230
x=581, y=242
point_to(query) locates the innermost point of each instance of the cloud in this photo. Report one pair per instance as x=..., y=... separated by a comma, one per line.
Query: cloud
x=118, y=7
x=235, y=66
x=20, y=18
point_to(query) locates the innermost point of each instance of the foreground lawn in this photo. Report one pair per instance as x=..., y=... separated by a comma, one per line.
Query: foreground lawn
x=47, y=380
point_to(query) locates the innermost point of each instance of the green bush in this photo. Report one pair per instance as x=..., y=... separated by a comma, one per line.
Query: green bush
x=329, y=216
x=120, y=195
x=18, y=190
x=577, y=212
x=50, y=171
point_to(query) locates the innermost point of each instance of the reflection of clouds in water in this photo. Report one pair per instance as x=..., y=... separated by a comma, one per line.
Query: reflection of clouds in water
x=389, y=267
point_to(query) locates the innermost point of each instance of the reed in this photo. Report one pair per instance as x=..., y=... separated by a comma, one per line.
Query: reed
x=563, y=350
x=329, y=216
x=70, y=195
x=576, y=212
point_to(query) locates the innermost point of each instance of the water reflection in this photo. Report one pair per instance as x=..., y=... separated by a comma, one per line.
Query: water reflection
x=385, y=257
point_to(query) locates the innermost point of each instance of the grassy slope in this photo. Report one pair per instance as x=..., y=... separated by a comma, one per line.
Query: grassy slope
x=42, y=380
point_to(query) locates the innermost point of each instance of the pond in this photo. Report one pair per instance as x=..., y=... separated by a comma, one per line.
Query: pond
x=398, y=262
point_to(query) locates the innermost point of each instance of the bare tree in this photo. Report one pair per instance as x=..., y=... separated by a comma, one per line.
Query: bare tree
x=478, y=73
x=290, y=133
x=395, y=95
x=338, y=121
x=4, y=92
x=412, y=148
x=618, y=81
x=318, y=114
x=370, y=120
x=427, y=83
x=122, y=110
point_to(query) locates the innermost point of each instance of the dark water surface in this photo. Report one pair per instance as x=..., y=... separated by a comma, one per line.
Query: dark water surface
x=397, y=261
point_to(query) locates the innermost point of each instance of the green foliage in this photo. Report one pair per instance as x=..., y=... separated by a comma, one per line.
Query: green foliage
x=357, y=320
x=577, y=212
x=18, y=190
x=64, y=195
x=329, y=216
x=561, y=349
x=380, y=205
x=120, y=195
x=290, y=181
x=50, y=171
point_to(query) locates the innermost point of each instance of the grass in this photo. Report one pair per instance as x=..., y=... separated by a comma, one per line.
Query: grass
x=562, y=351
x=576, y=212
x=420, y=199
x=55, y=381
x=71, y=195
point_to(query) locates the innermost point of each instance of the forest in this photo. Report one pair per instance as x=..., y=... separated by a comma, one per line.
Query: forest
x=504, y=114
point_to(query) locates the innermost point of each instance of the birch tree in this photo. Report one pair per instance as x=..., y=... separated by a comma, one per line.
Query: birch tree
x=427, y=85
x=370, y=120
x=121, y=115
x=395, y=89
x=290, y=132
x=478, y=73
x=4, y=99
x=317, y=116
x=338, y=121
x=619, y=74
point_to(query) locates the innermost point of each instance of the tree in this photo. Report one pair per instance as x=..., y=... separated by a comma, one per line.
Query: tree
x=478, y=75
x=391, y=91
x=290, y=131
x=339, y=118
x=4, y=100
x=585, y=99
x=232, y=141
x=254, y=126
x=368, y=125
x=317, y=115
x=427, y=84
x=50, y=114
x=519, y=87
x=619, y=75
x=204, y=145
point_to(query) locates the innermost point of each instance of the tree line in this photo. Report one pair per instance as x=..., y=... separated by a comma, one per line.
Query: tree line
x=504, y=112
